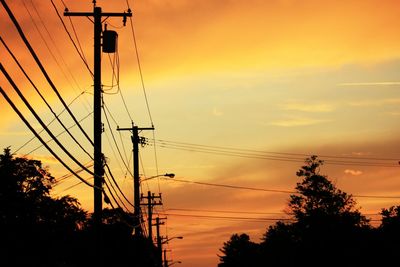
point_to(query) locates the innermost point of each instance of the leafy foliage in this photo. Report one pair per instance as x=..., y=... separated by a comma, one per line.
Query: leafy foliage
x=239, y=251
x=39, y=230
x=328, y=230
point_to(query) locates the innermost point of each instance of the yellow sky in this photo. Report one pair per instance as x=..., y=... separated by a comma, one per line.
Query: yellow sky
x=317, y=77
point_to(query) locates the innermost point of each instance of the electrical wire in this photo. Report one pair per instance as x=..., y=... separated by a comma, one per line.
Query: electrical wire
x=115, y=182
x=42, y=97
x=50, y=36
x=53, y=120
x=115, y=191
x=140, y=67
x=278, y=153
x=59, y=134
x=40, y=120
x=63, y=178
x=113, y=137
x=40, y=65
x=228, y=211
x=82, y=56
x=39, y=138
x=264, y=189
x=288, y=157
x=252, y=219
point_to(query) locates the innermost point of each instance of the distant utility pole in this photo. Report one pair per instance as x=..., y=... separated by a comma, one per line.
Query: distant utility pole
x=97, y=15
x=150, y=203
x=159, y=241
x=136, y=177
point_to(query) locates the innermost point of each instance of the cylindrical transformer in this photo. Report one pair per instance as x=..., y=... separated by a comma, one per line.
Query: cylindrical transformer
x=109, y=41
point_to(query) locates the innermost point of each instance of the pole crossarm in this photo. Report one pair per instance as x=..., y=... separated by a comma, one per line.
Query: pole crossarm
x=138, y=128
x=103, y=14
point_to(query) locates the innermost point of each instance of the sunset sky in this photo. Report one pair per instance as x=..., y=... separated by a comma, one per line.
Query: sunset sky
x=225, y=81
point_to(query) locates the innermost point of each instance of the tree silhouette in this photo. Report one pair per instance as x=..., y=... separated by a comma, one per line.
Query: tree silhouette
x=239, y=251
x=327, y=229
x=327, y=223
x=318, y=200
x=38, y=230
x=31, y=221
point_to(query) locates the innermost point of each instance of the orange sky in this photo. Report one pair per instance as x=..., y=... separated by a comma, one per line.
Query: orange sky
x=308, y=77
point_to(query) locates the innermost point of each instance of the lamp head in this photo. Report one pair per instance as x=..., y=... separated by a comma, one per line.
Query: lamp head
x=170, y=175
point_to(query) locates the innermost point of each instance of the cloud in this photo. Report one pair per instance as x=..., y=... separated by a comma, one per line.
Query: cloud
x=308, y=107
x=296, y=122
x=353, y=172
x=361, y=153
x=369, y=84
x=375, y=103
x=45, y=159
x=393, y=113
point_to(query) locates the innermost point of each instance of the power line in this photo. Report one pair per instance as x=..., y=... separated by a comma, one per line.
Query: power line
x=38, y=62
x=119, y=189
x=53, y=42
x=63, y=178
x=243, y=153
x=81, y=55
x=274, y=152
x=227, y=211
x=50, y=140
x=254, y=219
x=40, y=120
x=42, y=97
x=232, y=186
x=264, y=189
x=54, y=119
x=40, y=139
x=140, y=67
x=113, y=137
x=115, y=191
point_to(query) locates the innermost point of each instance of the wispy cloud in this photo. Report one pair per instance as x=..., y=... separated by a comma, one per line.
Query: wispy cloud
x=360, y=154
x=375, y=103
x=393, y=113
x=43, y=158
x=353, y=172
x=369, y=84
x=308, y=107
x=296, y=122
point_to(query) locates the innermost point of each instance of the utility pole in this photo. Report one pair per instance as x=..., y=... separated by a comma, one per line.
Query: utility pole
x=159, y=241
x=97, y=15
x=165, y=258
x=136, y=177
x=150, y=203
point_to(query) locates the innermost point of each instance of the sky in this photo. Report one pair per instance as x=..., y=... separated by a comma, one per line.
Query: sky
x=225, y=82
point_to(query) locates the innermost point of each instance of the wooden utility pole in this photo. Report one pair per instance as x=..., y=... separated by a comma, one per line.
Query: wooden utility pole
x=150, y=203
x=136, y=177
x=97, y=15
x=159, y=241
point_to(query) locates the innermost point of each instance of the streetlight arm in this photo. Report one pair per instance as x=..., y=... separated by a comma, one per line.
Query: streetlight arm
x=170, y=175
x=169, y=239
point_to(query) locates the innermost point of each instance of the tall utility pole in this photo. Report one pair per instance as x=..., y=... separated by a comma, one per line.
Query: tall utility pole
x=97, y=15
x=150, y=203
x=136, y=177
x=159, y=241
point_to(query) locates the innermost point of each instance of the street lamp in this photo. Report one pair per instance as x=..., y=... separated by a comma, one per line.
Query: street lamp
x=169, y=175
x=165, y=251
x=169, y=239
